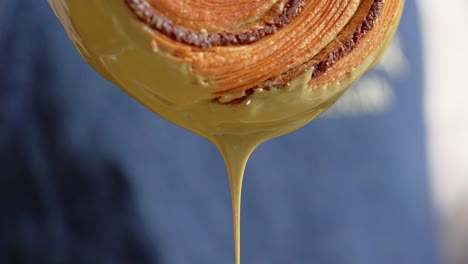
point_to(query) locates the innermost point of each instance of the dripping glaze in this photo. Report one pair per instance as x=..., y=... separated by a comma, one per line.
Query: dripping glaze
x=177, y=81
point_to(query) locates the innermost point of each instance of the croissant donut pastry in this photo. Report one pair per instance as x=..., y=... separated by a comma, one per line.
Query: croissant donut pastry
x=280, y=57
x=237, y=72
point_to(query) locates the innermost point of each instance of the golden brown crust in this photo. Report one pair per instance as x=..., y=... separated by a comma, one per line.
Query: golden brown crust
x=275, y=45
x=231, y=35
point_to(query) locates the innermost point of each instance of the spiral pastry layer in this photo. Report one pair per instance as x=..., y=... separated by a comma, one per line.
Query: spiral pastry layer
x=241, y=46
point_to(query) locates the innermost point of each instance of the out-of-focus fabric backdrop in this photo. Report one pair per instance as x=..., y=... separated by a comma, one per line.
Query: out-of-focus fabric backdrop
x=445, y=40
x=87, y=175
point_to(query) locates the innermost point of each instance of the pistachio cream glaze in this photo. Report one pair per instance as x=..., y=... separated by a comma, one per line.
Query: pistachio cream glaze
x=235, y=72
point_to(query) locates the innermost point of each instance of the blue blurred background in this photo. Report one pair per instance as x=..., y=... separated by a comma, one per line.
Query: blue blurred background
x=88, y=175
